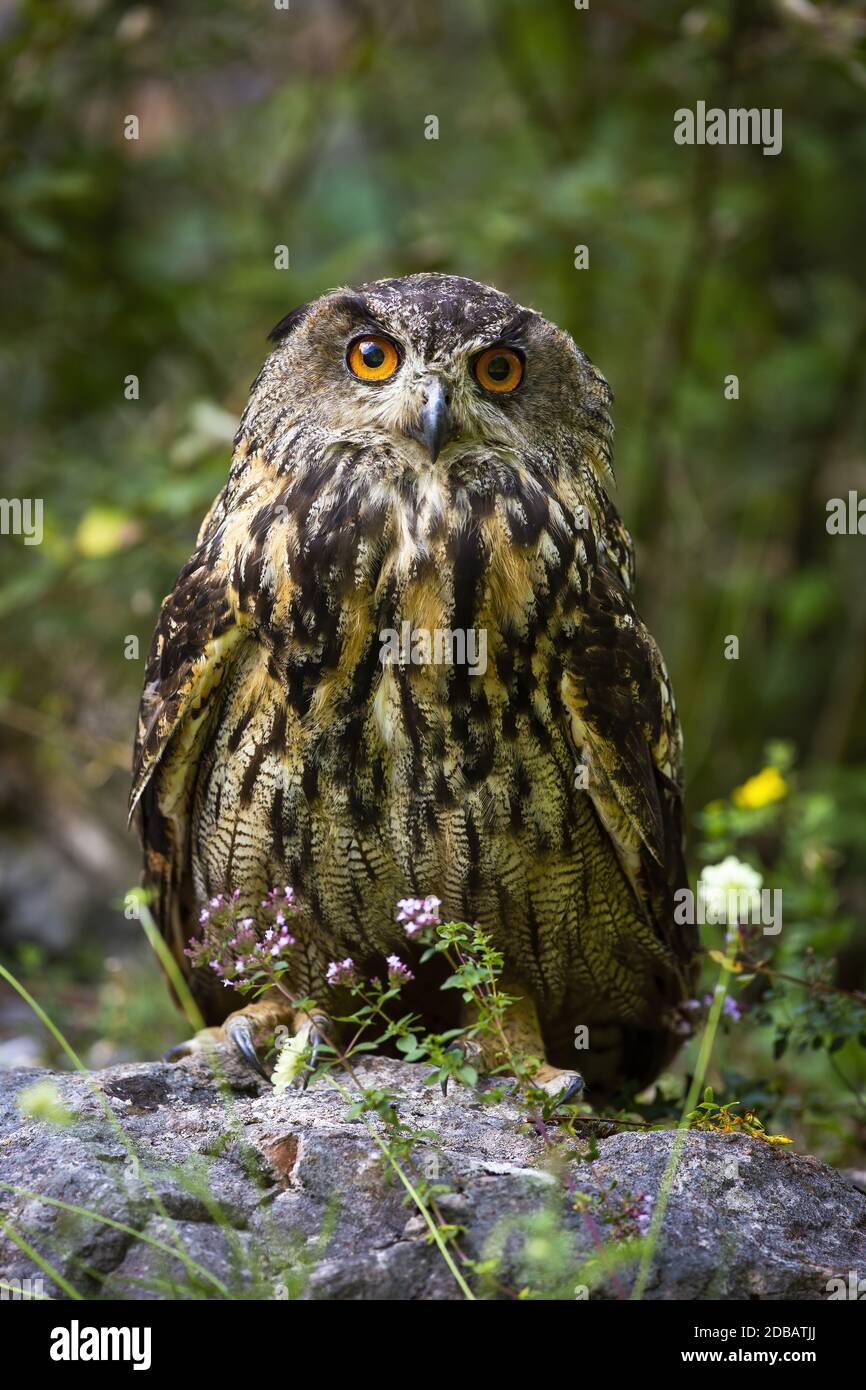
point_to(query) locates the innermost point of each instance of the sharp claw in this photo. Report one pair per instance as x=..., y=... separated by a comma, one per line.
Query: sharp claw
x=241, y=1034
x=574, y=1088
x=182, y=1049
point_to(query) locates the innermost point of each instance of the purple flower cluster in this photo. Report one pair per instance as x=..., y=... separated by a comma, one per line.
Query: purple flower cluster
x=221, y=903
x=730, y=1008
x=628, y=1214
x=249, y=951
x=639, y=1210
x=241, y=950
x=416, y=913
x=398, y=973
x=342, y=972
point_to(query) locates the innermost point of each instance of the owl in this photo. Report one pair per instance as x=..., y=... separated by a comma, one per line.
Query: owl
x=404, y=659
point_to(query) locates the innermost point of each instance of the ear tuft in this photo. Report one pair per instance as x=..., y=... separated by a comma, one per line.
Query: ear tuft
x=289, y=323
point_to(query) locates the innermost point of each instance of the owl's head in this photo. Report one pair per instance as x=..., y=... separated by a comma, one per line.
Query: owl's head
x=433, y=367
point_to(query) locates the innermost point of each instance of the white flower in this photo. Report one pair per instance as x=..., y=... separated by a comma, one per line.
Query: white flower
x=290, y=1059
x=731, y=890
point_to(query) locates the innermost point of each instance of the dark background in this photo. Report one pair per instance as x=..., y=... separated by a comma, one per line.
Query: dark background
x=261, y=127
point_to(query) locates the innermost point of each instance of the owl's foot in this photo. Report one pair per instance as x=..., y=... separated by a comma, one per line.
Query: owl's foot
x=236, y=1030
x=241, y=1029
x=564, y=1087
x=522, y=1038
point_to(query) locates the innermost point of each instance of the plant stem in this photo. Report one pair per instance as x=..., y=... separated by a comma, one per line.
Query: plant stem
x=413, y=1193
x=704, y=1054
x=40, y=1260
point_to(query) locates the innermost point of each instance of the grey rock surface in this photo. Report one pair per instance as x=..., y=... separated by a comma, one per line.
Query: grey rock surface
x=210, y=1190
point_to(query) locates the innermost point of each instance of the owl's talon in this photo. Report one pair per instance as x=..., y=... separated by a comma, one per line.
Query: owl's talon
x=204, y=1042
x=573, y=1091
x=563, y=1087
x=239, y=1032
x=236, y=1030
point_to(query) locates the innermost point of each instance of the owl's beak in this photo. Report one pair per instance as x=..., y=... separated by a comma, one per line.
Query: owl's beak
x=435, y=425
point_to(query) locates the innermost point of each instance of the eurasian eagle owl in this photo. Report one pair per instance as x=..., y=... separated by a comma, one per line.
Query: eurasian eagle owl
x=424, y=455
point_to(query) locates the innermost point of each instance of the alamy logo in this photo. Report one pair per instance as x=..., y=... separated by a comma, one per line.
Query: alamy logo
x=15, y=1289
x=22, y=516
x=721, y=906
x=76, y=1343
x=854, y=1288
x=737, y=126
x=419, y=646
x=847, y=516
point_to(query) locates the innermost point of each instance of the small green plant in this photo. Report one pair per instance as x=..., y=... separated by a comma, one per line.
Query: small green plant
x=721, y=1119
x=797, y=1034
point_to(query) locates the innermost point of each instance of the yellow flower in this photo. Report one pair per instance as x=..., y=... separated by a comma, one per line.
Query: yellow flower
x=762, y=790
x=105, y=530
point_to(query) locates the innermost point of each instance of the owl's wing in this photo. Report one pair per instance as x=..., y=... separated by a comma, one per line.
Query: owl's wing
x=627, y=737
x=617, y=549
x=196, y=636
x=199, y=632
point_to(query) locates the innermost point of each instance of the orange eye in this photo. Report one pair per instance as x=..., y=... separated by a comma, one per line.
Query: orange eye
x=499, y=369
x=373, y=359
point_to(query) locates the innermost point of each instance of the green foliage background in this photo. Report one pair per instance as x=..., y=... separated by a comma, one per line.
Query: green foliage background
x=305, y=127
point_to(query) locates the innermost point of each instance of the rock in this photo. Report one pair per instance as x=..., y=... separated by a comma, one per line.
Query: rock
x=209, y=1189
x=20, y=1051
